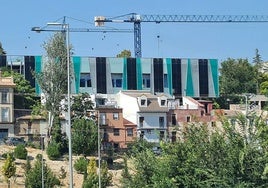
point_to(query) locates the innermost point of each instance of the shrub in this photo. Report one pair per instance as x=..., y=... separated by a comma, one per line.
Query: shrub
x=20, y=152
x=11, y=154
x=80, y=165
x=33, y=176
x=34, y=145
x=53, y=151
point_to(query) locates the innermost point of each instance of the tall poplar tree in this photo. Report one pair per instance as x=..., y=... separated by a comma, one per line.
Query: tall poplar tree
x=53, y=78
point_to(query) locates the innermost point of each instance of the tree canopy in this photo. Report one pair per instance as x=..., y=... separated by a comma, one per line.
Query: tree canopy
x=81, y=105
x=84, y=136
x=54, y=76
x=204, y=158
x=124, y=53
x=237, y=77
x=24, y=93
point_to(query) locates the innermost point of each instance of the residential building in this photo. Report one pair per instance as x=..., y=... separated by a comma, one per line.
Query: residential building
x=31, y=127
x=185, y=111
x=147, y=111
x=6, y=106
x=115, y=131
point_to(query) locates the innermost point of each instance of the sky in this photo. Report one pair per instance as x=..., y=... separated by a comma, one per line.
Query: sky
x=175, y=40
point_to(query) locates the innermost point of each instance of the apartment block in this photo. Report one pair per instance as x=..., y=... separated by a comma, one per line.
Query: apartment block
x=6, y=106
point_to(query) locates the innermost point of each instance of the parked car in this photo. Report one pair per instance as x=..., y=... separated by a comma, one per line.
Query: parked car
x=14, y=141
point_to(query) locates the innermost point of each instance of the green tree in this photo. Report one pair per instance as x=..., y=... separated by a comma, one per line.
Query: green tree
x=258, y=64
x=106, y=176
x=9, y=168
x=20, y=152
x=80, y=165
x=58, y=142
x=58, y=136
x=91, y=179
x=137, y=146
x=84, y=136
x=28, y=165
x=228, y=157
x=124, y=53
x=81, y=105
x=53, y=78
x=34, y=176
x=237, y=76
x=2, y=51
x=24, y=93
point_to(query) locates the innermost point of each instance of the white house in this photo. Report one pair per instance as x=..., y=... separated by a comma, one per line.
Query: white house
x=147, y=111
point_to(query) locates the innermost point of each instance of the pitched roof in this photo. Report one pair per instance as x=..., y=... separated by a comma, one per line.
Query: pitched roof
x=194, y=101
x=138, y=93
x=259, y=98
x=28, y=117
x=153, y=106
x=127, y=122
x=152, y=100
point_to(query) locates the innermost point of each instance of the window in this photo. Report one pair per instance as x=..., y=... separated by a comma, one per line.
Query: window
x=89, y=83
x=141, y=120
x=146, y=80
x=5, y=114
x=143, y=101
x=188, y=119
x=103, y=119
x=82, y=83
x=85, y=80
x=173, y=119
x=213, y=124
x=129, y=131
x=116, y=116
x=163, y=102
x=117, y=80
x=165, y=81
x=142, y=135
x=161, y=122
x=116, y=132
x=117, y=83
x=4, y=98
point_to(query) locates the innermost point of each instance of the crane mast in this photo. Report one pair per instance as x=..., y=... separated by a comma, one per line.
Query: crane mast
x=136, y=19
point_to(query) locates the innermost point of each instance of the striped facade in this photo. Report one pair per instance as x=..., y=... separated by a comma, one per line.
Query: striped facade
x=174, y=76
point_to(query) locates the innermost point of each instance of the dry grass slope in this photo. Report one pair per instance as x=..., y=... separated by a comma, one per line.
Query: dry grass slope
x=18, y=180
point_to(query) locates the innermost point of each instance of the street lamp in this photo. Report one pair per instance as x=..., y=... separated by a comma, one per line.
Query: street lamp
x=66, y=28
x=99, y=155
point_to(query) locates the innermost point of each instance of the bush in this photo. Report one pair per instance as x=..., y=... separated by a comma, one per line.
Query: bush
x=80, y=165
x=20, y=152
x=11, y=154
x=53, y=151
x=33, y=144
x=33, y=176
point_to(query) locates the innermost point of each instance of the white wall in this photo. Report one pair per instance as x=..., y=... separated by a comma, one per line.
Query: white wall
x=130, y=107
x=151, y=123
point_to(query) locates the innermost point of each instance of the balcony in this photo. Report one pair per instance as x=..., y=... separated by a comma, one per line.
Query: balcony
x=104, y=122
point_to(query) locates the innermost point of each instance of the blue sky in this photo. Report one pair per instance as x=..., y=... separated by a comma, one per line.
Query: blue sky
x=180, y=40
